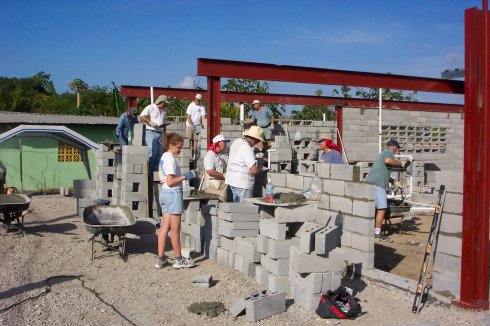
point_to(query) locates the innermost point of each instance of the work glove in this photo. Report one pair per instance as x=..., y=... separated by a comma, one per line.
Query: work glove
x=190, y=174
x=405, y=164
x=153, y=124
x=398, y=184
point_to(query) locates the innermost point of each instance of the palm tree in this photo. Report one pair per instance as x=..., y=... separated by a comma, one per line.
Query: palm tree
x=78, y=86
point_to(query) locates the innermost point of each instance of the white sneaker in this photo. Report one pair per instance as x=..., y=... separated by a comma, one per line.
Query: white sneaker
x=184, y=263
x=160, y=263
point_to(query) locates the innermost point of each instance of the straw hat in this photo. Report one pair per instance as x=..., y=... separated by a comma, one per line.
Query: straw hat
x=162, y=98
x=254, y=132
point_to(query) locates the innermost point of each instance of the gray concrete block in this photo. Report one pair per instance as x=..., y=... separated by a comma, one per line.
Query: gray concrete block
x=278, y=267
x=334, y=187
x=301, y=213
x=344, y=172
x=261, y=275
x=267, y=212
x=359, y=190
x=262, y=243
x=239, y=225
x=239, y=208
x=323, y=170
x=202, y=278
x=264, y=304
x=324, y=202
x=244, y=265
x=362, y=242
x=305, y=299
x=331, y=281
x=278, y=283
x=447, y=264
x=453, y=203
x=346, y=238
x=272, y=229
x=232, y=233
x=140, y=151
x=451, y=223
x=228, y=244
x=307, y=237
x=280, y=248
x=311, y=282
x=358, y=224
x=238, y=308
x=311, y=263
x=294, y=181
x=444, y=282
x=341, y=204
x=363, y=208
x=278, y=179
x=247, y=248
x=453, y=180
x=353, y=256
x=449, y=245
x=238, y=217
x=327, y=239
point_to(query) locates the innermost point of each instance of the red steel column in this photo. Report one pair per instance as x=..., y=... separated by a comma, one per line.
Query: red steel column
x=214, y=94
x=338, y=112
x=476, y=191
x=132, y=102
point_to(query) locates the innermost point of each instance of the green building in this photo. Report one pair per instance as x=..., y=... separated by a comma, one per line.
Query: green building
x=43, y=152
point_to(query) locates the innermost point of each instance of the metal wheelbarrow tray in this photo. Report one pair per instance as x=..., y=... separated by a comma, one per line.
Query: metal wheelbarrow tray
x=109, y=219
x=397, y=208
x=14, y=207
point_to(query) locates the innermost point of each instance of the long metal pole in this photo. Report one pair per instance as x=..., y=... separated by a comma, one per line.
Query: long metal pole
x=380, y=124
x=20, y=164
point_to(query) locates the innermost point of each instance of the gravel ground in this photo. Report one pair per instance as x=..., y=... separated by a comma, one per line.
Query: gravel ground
x=47, y=278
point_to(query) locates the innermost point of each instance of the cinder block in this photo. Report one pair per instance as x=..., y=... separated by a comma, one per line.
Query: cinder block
x=341, y=204
x=327, y=239
x=238, y=308
x=307, y=237
x=346, y=238
x=239, y=208
x=311, y=282
x=311, y=263
x=363, y=208
x=294, y=181
x=453, y=180
x=449, y=245
x=231, y=233
x=323, y=170
x=453, y=203
x=264, y=304
x=277, y=267
x=305, y=299
x=238, y=217
x=278, y=283
x=451, y=223
x=334, y=187
x=359, y=190
x=444, y=282
x=228, y=244
x=272, y=229
x=239, y=225
x=247, y=248
x=262, y=242
x=261, y=275
x=301, y=213
x=244, y=265
x=331, y=281
x=278, y=179
x=280, y=248
x=358, y=224
x=447, y=264
x=353, y=256
x=140, y=151
x=345, y=172
x=362, y=242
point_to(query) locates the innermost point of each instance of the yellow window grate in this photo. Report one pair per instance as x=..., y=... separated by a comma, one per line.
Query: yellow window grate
x=68, y=153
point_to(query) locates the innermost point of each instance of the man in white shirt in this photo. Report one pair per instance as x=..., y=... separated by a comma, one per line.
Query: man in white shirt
x=154, y=116
x=215, y=167
x=194, y=122
x=242, y=168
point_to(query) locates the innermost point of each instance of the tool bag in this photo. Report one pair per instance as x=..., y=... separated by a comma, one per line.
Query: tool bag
x=338, y=304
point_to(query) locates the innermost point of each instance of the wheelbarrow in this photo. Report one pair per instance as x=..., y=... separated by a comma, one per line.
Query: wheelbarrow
x=397, y=208
x=14, y=207
x=114, y=220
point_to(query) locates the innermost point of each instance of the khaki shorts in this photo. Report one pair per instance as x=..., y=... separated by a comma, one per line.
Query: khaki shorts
x=188, y=131
x=267, y=132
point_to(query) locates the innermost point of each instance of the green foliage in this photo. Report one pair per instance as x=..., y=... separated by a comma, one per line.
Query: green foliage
x=244, y=85
x=373, y=94
x=314, y=112
x=116, y=100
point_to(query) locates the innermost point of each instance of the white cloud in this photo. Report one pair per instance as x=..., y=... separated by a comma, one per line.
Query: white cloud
x=188, y=82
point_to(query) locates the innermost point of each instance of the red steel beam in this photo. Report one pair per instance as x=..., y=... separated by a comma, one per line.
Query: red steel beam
x=181, y=93
x=214, y=121
x=295, y=74
x=476, y=191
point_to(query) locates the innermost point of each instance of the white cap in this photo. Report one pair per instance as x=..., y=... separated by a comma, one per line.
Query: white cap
x=198, y=97
x=255, y=102
x=219, y=138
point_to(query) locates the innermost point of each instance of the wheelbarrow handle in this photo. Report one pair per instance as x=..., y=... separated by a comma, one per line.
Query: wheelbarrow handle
x=91, y=237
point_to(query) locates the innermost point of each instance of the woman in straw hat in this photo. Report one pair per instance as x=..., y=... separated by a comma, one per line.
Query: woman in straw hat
x=242, y=168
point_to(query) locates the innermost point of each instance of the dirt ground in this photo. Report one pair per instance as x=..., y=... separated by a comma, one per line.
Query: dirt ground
x=48, y=278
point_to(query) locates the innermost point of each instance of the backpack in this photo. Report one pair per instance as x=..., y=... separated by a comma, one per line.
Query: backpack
x=338, y=304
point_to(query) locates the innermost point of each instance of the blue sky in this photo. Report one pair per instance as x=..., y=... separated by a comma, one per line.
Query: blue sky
x=156, y=43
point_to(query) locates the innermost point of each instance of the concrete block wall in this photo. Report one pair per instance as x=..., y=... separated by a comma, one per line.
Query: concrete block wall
x=85, y=193
x=104, y=172
x=447, y=257
x=134, y=182
x=435, y=138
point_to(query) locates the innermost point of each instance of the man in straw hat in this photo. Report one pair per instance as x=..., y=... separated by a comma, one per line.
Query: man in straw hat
x=242, y=168
x=154, y=117
x=263, y=117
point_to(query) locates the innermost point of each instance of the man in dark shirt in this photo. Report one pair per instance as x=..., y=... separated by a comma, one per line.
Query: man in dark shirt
x=125, y=124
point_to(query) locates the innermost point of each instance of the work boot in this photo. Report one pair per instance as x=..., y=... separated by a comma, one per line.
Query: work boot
x=382, y=237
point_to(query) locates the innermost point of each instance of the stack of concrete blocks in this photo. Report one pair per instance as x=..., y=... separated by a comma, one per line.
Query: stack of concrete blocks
x=281, y=154
x=309, y=129
x=418, y=176
x=185, y=156
x=307, y=155
x=85, y=193
x=134, y=183
x=364, y=168
x=447, y=255
x=104, y=171
x=211, y=239
x=118, y=173
x=238, y=220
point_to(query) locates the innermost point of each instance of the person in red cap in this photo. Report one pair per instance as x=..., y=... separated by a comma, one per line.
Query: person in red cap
x=215, y=167
x=331, y=152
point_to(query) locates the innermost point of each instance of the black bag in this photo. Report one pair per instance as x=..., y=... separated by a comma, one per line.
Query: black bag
x=338, y=304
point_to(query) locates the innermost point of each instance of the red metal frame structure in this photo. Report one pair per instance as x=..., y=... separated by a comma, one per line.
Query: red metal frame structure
x=476, y=193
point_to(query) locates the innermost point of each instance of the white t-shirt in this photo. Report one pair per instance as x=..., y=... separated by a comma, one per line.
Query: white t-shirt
x=169, y=165
x=241, y=159
x=157, y=116
x=213, y=161
x=196, y=112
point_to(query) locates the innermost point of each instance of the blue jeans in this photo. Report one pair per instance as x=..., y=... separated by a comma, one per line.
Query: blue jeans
x=240, y=193
x=155, y=149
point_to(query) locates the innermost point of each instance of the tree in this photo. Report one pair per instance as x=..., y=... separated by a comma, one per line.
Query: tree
x=116, y=100
x=79, y=86
x=373, y=93
x=314, y=112
x=244, y=85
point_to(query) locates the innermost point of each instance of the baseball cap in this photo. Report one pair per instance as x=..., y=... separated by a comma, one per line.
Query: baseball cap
x=219, y=138
x=393, y=142
x=162, y=98
x=198, y=97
